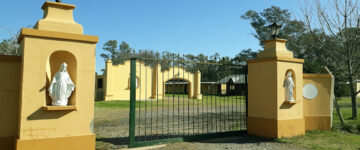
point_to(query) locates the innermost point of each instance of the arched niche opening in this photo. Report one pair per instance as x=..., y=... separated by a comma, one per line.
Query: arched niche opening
x=293, y=76
x=53, y=66
x=177, y=87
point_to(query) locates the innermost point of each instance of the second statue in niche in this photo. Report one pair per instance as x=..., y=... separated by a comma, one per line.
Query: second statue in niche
x=289, y=87
x=61, y=87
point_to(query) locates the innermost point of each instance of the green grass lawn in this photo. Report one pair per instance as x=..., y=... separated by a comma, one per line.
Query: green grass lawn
x=177, y=99
x=325, y=140
x=338, y=138
x=345, y=104
x=118, y=104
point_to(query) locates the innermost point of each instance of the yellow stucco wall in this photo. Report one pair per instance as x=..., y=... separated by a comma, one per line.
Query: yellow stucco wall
x=44, y=49
x=317, y=112
x=37, y=52
x=10, y=72
x=267, y=77
x=320, y=105
x=118, y=81
x=151, y=81
x=262, y=78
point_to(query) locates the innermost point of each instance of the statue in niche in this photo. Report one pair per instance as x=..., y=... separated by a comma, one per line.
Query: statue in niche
x=61, y=87
x=289, y=87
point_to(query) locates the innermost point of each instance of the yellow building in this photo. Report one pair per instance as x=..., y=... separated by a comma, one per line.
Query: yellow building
x=210, y=88
x=151, y=81
x=229, y=85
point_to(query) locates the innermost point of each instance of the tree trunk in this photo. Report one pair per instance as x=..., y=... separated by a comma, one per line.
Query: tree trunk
x=338, y=111
x=353, y=99
x=354, y=106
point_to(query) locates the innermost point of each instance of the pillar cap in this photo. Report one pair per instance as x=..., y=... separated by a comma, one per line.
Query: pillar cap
x=58, y=17
x=275, y=48
x=58, y=5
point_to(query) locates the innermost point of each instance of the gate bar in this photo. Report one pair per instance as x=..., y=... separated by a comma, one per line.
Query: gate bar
x=132, y=102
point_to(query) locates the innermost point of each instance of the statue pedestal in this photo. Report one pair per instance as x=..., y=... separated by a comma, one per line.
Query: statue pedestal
x=269, y=113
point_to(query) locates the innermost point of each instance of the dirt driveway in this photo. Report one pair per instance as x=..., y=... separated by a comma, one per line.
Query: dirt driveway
x=111, y=128
x=232, y=143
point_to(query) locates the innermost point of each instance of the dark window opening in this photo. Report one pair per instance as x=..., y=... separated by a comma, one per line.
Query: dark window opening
x=100, y=84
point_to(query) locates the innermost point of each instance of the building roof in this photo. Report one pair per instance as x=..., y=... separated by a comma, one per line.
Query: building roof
x=237, y=79
x=171, y=82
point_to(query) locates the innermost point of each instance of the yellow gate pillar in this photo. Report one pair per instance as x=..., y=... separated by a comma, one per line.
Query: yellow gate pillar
x=55, y=39
x=197, y=84
x=269, y=113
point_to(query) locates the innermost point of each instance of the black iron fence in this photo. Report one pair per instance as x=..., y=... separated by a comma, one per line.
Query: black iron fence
x=183, y=101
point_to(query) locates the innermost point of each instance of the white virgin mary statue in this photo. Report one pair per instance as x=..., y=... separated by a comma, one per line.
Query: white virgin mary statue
x=289, y=87
x=61, y=87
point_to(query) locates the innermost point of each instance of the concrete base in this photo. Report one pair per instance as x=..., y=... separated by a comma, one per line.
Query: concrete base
x=271, y=128
x=86, y=142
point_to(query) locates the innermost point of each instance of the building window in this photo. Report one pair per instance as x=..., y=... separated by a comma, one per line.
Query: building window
x=100, y=84
x=232, y=87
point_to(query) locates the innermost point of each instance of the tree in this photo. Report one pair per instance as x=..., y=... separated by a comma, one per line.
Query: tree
x=117, y=54
x=243, y=56
x=299, y=40
x=10, y=47
x=337, y=31
x=111, y=50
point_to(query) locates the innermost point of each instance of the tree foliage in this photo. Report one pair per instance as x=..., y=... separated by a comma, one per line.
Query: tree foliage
x=300, y=41
x=209, y=66
x=335, y=26
x=10, y=47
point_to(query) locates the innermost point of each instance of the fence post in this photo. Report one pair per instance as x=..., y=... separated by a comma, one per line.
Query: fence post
x=132, y=102
x=247, y=90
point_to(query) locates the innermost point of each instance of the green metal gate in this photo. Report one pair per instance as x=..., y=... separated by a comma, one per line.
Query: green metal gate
x=169, y=111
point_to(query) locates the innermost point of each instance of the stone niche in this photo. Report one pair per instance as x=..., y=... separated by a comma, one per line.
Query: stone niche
x=52, y=66
x=293, y=76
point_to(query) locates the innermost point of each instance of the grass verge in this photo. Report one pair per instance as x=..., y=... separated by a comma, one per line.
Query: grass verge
x=170, y=99
x=325, y=140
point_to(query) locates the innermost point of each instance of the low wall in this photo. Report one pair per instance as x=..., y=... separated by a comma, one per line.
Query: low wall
x=10, y=73
x=317, y=111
